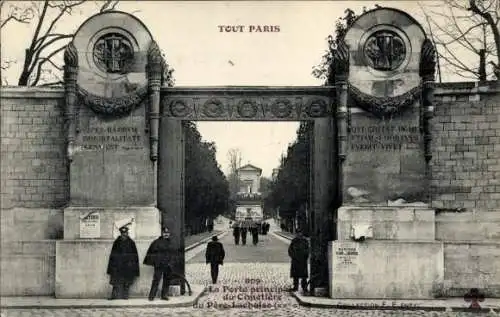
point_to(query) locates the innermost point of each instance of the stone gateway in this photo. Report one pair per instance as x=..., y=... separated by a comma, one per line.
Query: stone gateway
x=394, y=157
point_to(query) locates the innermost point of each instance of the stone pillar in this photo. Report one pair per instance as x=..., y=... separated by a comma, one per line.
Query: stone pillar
x=341, y=73
x=427, y=70
x=70, y=90
x=323, y=193
x=171, y=186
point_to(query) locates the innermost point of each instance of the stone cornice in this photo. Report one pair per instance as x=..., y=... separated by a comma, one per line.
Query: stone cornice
x=467, y=88
x=236, y=90
x=453, y=88
x=22, y=92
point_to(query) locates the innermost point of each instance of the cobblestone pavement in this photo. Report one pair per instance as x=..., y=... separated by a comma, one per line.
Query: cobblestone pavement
x=259, y=285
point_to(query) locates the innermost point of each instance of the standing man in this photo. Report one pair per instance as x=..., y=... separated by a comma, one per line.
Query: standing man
x=236, y=233
x=299, y=254
x=158, y=256
x=215, y=256
x=243, y=231
x=123, y=265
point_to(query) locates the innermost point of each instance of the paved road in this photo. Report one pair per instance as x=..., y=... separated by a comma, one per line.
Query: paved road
x=268, y=250
x=251, y=275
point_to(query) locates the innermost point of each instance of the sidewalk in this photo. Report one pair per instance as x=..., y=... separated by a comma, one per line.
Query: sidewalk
x=191, y=242
x=454, y=304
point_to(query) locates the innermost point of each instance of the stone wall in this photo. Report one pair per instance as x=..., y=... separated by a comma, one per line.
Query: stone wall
x=466, y=147
x=33, y=167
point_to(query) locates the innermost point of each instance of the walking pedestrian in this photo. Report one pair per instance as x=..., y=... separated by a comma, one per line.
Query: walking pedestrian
x=299, y=254
x=158, y=256
x=236, y=234
x=255, y=235
x=123, y=265
x=243, y=231
x=215, y=256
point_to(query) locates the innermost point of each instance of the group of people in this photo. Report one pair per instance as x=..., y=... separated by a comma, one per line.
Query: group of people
x=123, y=265
x=240, y=231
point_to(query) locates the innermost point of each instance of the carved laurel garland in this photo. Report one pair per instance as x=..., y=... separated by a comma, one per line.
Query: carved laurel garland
x=109, y=106
x=384, y=106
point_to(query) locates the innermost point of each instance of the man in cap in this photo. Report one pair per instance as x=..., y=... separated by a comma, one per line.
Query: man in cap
x=215, y=256
x=158, y=256
x=123, y=265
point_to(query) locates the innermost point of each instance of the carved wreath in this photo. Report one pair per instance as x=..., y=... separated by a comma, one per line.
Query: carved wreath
x=110, y=106
x=384, y=106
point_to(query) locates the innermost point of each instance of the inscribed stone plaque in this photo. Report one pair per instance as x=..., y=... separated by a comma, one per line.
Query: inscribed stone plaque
x=111, y=164
x=90, y=224
x=385, y=159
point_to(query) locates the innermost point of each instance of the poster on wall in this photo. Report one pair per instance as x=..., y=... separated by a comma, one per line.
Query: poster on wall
x=124, y=220
x=90, y=224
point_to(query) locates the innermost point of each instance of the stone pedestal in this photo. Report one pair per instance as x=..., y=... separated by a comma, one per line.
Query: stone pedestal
x=401, y=259
x=386, y=269
x=144, y=222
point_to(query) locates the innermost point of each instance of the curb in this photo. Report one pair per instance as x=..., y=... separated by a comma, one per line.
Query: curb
x=144, y=303
x=391, y=307
x=339, y=304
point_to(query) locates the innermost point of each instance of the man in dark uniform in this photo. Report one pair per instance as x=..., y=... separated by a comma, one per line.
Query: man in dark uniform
x=158, y=256
x=243, y=231
x=123, y=265
x=299, y=253
x=215, y=256
x=236, y=233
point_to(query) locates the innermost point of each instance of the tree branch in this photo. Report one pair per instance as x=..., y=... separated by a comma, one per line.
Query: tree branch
x=491, y=22
x=39, y=51
x=43, y=61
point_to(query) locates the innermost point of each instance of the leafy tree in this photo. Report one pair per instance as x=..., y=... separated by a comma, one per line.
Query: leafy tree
x=290, y=190
x=206, y=188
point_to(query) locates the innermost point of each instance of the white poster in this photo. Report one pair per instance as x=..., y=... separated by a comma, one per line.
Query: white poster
x=90, y=224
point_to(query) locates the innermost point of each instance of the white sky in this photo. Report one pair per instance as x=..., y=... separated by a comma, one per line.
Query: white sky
x=189, y=35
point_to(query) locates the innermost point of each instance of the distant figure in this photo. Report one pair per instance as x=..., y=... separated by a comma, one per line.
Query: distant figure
x=123, y=265
x=255, y=235
x=210, y=225
x=299, y=253
x=158, y=256
x=230, y=224
x=236, y=234
x=215, y=256
x=243, y=232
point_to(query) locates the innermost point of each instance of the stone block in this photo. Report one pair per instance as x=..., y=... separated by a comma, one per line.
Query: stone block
x=25, y=224
x=385, y=269
x=81, y=269
x=392, y=223
x=468, y=226
x=147, y=221
x=27, y=268
x=471, y=265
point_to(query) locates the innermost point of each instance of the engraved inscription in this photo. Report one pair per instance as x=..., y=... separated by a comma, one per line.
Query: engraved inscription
x=113, y=138
x=385, y=138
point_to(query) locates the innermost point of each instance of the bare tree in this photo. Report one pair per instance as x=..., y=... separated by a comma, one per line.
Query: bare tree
x=467, y=36
x=46, y=43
